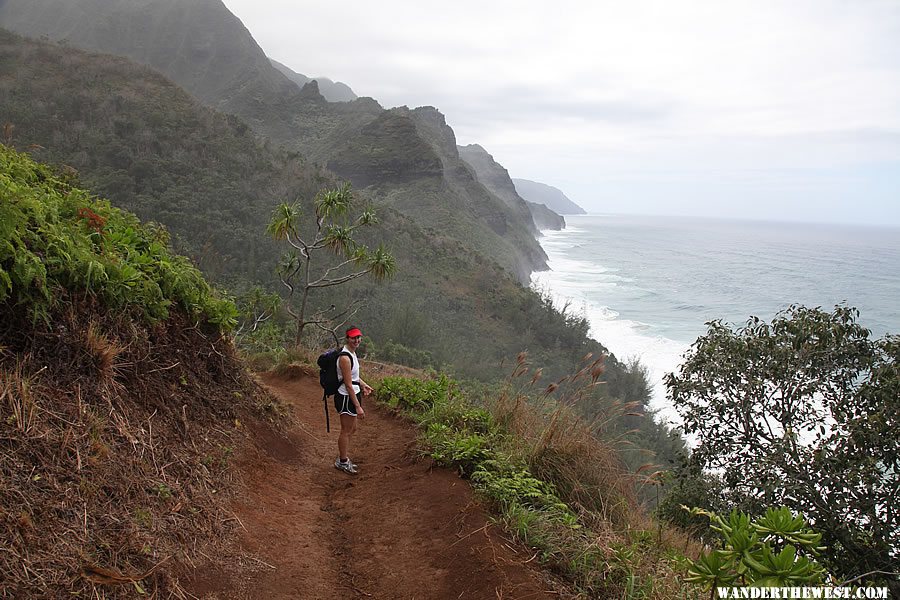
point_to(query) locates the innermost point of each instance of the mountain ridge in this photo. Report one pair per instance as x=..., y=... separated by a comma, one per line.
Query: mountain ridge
x=551, y=197
x=250, y=87
x=496, y=178
x=333, y=91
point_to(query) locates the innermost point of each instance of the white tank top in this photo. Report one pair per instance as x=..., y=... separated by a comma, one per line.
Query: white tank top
x=354, y=372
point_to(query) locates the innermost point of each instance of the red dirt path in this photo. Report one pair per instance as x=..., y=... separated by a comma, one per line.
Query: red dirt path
x=400, y=529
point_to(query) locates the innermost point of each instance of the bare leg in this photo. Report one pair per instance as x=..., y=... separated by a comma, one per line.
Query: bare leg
x=348, y=428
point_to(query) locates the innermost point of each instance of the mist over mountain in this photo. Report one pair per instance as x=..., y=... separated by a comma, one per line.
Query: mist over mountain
x=207, y=50
x=199, y=44
x=459, y=247
x=333, y=91
x=549, y=196
x=495, y=178
x=544, y=218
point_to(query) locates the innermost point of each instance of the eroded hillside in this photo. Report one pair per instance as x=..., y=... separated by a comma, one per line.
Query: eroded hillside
x=122, y=398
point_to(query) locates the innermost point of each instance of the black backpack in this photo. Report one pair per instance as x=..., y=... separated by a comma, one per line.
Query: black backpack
x=328, y=377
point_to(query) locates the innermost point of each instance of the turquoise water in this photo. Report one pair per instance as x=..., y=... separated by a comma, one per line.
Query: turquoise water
x=649, y=284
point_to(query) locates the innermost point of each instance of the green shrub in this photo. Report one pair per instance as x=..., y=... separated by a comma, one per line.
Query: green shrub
x=775, y=550
x=395, y=352
x=406, y=393
x=54, y=236
x=454, y=448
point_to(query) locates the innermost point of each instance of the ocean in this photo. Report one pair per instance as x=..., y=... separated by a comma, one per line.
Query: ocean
x=648, y=285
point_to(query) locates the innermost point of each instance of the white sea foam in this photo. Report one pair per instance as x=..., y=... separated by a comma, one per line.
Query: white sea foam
x=627, y=340
x=572, y=282
x=648, y=285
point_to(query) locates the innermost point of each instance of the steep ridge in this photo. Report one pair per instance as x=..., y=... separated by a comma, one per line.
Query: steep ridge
x=496, y=178
x=205, y=48
x=508, y=219
x=333, y=91
x=551, y=197
x=400, y=529
x=544, y=218
x=408, y=159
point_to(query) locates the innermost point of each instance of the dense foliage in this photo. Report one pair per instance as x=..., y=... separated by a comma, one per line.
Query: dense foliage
x=804, y=412
x=54, y=236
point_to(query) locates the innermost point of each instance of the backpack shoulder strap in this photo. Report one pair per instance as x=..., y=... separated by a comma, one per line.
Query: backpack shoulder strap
x=345, y=353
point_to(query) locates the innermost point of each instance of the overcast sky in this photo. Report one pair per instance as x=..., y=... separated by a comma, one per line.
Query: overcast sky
x=763, y=109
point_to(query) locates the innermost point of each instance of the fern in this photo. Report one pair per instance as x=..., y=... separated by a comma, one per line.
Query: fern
x=57, y=237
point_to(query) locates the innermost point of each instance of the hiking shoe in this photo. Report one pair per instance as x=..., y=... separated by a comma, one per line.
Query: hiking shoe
x=346, y=467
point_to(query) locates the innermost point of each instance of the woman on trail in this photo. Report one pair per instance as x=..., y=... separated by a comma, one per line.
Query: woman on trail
x=348, y=400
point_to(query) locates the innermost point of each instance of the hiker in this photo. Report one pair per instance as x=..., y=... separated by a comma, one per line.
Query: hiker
x=348, y=400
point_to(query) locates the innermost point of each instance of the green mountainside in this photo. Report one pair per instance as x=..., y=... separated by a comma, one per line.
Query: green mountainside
x=205, y=49
x=142, y=142
x=496, y=179
x=551, y=197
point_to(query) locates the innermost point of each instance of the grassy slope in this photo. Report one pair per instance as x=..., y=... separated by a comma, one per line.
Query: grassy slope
x=119, y=397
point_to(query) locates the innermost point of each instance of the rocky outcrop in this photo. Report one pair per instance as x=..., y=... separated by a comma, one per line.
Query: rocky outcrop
x=495, y=178
x=549, y=196
x=333, y=91
x=386, y=151
x=545, y=218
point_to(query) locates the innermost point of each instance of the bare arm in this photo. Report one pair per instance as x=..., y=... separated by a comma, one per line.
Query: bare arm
x=344, y=363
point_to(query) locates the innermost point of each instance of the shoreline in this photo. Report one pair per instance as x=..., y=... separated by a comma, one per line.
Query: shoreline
x=623, y=338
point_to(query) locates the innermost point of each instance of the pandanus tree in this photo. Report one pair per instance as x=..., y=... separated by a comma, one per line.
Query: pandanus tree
x=325, y=255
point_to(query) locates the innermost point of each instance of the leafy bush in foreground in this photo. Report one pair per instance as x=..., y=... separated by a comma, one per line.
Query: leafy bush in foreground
x=775, y=550
x=55, y=236
x=803, y=411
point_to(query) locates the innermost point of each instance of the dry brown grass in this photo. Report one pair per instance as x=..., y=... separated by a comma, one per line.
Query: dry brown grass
x=561, y=446
x=15, y=394
x=103, y=352
x=621, y=551
x=113, y=445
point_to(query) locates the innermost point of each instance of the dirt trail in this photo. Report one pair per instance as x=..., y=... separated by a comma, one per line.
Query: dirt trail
x=400, y=529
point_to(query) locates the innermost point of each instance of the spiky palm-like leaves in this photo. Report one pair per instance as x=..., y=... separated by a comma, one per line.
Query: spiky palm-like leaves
x=382, y=263
x=334, y=231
